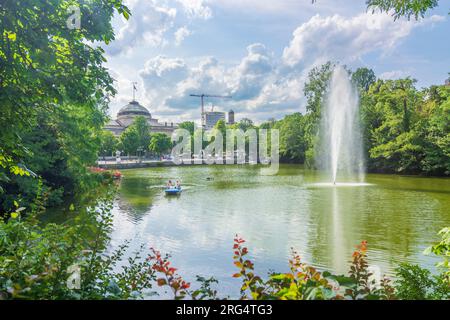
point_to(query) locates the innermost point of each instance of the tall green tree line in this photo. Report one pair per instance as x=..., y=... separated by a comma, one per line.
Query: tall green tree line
x=54, y=90
x=406, y=130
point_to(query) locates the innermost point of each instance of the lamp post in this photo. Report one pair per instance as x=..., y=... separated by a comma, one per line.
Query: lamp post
x=140, y=150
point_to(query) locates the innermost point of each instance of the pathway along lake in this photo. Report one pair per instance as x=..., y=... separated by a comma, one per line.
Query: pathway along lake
x=399, y=216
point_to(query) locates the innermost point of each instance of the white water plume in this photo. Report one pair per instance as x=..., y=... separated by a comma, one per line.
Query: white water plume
x=342, y=152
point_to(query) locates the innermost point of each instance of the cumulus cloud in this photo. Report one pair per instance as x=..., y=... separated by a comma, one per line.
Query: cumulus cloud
x=160, y=76
x=347, y=39
x=196, y=8
x=148, y=23
x=263, y=85
x=181, y=34
x=252, y=73
x=394, y=74
x=152, y=22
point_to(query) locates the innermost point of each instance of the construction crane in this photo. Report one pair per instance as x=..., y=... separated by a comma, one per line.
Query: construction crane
x=202, y=96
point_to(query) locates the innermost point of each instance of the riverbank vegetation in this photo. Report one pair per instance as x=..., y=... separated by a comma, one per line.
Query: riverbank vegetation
x=54, y=98
x=136, y=140
x=405, y=130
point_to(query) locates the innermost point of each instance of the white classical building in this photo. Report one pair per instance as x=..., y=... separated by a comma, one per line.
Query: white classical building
x=126, y=115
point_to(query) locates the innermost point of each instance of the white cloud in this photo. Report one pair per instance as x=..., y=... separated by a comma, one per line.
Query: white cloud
x=347, y=39
x=196, y=8
x=181, y=34
x=252, y=73
x=148, y=23
x=394, y=74
x=153, y=21
x=160, y=77
x=263, y=85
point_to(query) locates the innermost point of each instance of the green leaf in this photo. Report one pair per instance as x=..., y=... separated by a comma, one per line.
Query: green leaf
x=12, y=36
x=280, y=276
x=342, y=280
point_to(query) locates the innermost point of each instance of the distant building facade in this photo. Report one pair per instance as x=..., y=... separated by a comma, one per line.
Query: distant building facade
x=231, y=117
x=210, y=118
x=126, y=116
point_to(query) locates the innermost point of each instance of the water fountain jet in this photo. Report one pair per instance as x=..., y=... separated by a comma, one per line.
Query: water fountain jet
x=342, y=149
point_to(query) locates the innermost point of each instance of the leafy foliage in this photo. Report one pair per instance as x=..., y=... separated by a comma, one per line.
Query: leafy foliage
x=405, y=130
x=363, y=78
x=416, y=283
x=136, y=137
x=188, y=125
x=244, y=124
x=108, y=143
x=160, y=143
x=292, y=138
x=442, y=249
x=35, y=259
x=403, y=8
x=44, y=64
x=54, y=91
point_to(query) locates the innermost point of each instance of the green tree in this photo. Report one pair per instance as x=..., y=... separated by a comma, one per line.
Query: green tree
x=59, y=148
x=222, y=127
x=292, y=138
x=44, y=64
x=109, y=143
x=188, y=125
x=436, y=130
x=160, y=143
x=52, y=79
x=363, y=78
x=315, y=91
x=403, y=8
x=136, y=136
x=244, y=124
x=269, y=124
x=391, y=115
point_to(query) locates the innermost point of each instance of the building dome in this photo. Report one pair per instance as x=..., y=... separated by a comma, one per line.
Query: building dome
x=133, y=109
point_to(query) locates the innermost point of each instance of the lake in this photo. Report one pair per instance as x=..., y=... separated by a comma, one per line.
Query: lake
x=399, y=216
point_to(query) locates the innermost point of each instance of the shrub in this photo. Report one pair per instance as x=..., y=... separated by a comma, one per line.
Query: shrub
x=34, y=260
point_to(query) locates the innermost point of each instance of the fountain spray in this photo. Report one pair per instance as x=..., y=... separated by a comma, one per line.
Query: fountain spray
x=341, y=129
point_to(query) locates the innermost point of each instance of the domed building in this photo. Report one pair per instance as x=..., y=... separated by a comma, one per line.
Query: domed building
x=127, y=114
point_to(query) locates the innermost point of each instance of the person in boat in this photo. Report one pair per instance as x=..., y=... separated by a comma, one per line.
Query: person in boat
x=178, y=184
x=169, y=184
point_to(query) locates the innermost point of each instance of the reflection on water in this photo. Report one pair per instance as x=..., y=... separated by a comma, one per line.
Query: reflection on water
x=398, y=216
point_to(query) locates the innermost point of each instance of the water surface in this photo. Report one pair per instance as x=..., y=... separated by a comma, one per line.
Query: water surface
x=399, y=216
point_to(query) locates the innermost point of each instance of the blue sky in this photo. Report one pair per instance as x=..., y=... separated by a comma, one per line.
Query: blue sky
x=261, y=51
